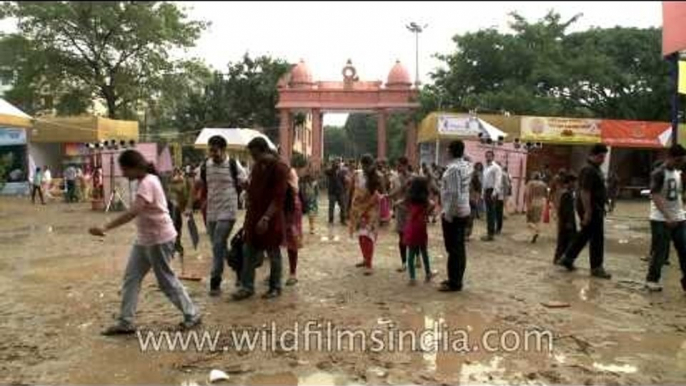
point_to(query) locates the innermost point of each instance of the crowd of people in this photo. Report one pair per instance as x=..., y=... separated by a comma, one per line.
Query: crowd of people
x=76, y=185
x=368, y=194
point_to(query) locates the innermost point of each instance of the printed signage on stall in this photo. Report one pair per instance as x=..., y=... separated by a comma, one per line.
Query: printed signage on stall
x=12, y=137
x=455, y=125
x=560, y=130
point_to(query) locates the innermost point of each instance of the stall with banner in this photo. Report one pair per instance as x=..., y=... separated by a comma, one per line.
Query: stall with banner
x=14, y=162
x=636, y=146
x=566, y=141
x=15, y=170
x=437, y=130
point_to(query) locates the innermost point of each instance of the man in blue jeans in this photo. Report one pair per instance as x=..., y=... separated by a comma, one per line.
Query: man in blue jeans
x=221, y=176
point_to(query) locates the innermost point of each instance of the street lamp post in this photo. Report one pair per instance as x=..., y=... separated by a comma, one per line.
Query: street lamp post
x=416, y=29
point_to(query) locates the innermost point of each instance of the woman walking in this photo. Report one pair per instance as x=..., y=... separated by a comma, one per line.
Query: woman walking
x=364, y=214
x=310, y=194
x=153, y=248
x=293, y=233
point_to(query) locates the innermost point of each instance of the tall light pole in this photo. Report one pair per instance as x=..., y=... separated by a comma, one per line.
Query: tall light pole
x=416, y=29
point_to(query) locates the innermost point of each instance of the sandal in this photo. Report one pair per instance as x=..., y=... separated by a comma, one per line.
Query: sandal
x=291, y=281
x=359, y=265
x=120, y=329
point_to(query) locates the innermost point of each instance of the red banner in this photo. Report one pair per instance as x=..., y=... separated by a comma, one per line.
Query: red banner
x=635, y=133
x=673, y=27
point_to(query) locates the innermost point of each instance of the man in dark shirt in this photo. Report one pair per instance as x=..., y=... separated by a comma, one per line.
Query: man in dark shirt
x=591, y=209
x=566, y=216
x=336, y=188
x=264, y=218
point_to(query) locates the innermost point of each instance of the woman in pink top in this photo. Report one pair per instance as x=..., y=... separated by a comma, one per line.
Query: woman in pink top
x=153, y=248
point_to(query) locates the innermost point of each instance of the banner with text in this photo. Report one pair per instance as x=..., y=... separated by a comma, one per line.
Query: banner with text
x=560, y=130
x=453, y=125
x=636, y=133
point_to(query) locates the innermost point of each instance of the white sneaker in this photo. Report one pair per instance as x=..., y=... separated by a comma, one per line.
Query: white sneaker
x=653, y=286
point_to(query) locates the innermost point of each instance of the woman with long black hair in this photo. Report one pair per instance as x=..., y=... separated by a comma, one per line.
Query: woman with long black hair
x=153, y=248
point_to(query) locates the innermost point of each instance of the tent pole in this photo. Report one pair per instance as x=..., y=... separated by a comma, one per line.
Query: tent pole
x=438, y=148
x=674, y=78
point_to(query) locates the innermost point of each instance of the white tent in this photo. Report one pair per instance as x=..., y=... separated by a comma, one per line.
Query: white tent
x=236, y=139
x=11, y=116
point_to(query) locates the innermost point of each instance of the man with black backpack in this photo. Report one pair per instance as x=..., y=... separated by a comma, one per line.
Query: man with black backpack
x=222, y=178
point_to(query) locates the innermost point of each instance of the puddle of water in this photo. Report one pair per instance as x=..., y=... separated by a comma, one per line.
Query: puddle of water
x=624, y=369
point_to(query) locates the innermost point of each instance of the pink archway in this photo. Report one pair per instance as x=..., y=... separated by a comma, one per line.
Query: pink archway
x=298, y=92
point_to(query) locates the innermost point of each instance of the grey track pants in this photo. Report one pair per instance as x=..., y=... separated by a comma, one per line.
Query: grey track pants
x=141, y=260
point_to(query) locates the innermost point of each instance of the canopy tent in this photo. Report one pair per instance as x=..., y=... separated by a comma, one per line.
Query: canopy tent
x=437, y=126
x=11, y=116
x=236, y=139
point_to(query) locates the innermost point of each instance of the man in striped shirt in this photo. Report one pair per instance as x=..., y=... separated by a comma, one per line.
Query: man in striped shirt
x=222, y=176
x=455, y=214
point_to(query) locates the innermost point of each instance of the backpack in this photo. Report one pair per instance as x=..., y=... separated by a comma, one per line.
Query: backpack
x=234, y=175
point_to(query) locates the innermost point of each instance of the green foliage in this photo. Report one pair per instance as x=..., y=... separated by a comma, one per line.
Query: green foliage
x=298, y=160
x=359, y=136
x=6, y=162
x=541, y=69
x=245, y=97
x=117, y=51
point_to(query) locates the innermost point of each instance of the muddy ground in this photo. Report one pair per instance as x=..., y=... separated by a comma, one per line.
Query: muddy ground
x=60, y=289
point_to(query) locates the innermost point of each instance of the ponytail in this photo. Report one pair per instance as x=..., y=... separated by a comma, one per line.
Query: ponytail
x=133, y=159
x=151, y=169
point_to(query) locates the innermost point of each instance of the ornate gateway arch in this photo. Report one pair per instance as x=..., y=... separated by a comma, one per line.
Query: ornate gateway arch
x=299, y=93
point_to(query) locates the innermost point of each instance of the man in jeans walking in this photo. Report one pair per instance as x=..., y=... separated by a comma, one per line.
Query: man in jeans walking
x=221, y=177
x=455, y=215
x=667, y=216
x=336, y=189
x=264, y=219
x=493, y=182
x=591, y=210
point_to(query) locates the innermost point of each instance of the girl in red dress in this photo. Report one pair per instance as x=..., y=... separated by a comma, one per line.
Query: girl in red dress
x=415, y=235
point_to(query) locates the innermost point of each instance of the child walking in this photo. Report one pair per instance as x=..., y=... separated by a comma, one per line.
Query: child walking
x=566, y=217
x=415, y=235
x=153, y=248
x=310, y=193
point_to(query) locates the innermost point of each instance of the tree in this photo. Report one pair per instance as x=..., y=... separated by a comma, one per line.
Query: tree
x=540, y=69
x=335, y=142
x=246, y=96
x=117, y=51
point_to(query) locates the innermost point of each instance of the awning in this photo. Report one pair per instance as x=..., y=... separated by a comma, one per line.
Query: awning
x=11, y=116
x=236, y=139
x=641, y=134
x=446, y=125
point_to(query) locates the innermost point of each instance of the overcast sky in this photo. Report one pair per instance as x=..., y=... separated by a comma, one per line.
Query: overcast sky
x=373, y=34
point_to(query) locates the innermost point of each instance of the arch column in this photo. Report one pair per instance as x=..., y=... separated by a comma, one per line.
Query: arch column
x=411, y=142
x=382, y=117
x=285, y=143
x=317, y=136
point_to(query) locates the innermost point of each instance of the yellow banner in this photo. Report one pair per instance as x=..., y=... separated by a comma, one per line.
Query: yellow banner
x=682, y=77
x=560, y=130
